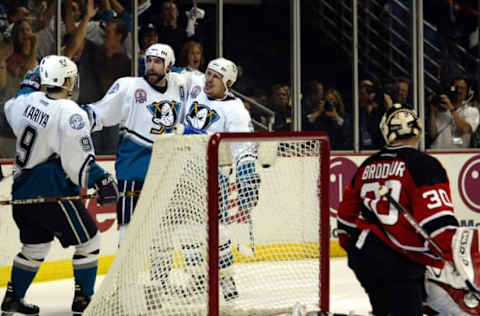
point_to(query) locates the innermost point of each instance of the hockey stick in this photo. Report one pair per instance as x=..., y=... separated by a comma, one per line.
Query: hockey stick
x=383, y=191
x=61, y=198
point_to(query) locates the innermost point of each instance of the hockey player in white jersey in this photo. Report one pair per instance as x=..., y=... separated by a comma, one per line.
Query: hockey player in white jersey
x=54, y=158
x=144, y=107
x=213, y=108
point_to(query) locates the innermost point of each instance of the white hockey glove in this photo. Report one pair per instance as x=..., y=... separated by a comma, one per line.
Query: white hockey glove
x=466, y=257
x=107, y=191
x=248, y=184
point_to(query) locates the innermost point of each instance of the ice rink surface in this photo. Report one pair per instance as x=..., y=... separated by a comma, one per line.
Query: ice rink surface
x=55, y=298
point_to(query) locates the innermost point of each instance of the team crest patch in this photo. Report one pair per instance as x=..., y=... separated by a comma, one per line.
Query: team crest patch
x=195, y=91
x=164, y=116
x=201, y=116
x=76, y=121
x=86, y=144
x=114, y=88
x=140, y=96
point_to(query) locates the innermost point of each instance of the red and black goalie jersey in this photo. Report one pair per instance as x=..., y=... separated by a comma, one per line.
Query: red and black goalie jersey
x=420, y=183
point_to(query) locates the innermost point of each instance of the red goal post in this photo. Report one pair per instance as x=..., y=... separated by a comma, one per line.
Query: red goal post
x=323, y=198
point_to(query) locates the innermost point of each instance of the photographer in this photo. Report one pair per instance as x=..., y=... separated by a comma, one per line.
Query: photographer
x=328, y=116
x=373, y=101
x=452, y=119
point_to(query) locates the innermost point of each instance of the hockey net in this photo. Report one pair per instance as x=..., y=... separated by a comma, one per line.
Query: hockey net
x=168, y=263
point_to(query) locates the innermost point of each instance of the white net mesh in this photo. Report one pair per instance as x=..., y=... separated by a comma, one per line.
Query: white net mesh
x=270, y=234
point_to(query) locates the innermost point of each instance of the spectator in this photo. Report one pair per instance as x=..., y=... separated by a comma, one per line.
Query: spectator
x=148, y=35
x=108, y=64
x=170, y=31
x=279, y=102
x=402, y=87
x=7, y=140
x=261, y=97
x=453, y=119
x=312, y=101
x=369, y=117
x=328, y=117
x=23, y=58
x=6, y=50
x=192, y=57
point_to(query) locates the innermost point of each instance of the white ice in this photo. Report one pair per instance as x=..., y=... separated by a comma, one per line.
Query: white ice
x=55, y=298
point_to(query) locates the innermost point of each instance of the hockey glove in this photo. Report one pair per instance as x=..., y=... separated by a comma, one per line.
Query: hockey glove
x=31, y=82
x=107, y=191
x=248, y=184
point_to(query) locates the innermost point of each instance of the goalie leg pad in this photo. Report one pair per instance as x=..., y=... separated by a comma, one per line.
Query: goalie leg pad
x=446, y=295
x=466, y=255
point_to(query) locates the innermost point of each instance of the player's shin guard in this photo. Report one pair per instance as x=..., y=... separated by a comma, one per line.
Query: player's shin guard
x=225, y=262
x=85, y=264
x=26, y=265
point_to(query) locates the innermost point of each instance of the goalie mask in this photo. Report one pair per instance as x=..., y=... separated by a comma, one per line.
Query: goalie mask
x=55, y=70
x=164, y=52
x=226, y=68
x=400, y=122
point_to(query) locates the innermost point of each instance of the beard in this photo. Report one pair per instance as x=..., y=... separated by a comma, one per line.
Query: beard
x=154, y=78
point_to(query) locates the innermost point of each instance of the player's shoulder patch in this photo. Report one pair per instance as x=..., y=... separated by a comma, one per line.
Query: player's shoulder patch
x=195, y=91
x=76, y=121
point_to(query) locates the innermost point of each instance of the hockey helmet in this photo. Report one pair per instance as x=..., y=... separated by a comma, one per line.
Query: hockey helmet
x=54, y=70
x=400, y=122
x=163, y=51
x=226, y=68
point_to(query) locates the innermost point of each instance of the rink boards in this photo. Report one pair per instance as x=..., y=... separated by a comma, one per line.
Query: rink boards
x=463, y=171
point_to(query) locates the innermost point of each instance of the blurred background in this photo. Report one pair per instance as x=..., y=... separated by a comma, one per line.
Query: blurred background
x=332, y=65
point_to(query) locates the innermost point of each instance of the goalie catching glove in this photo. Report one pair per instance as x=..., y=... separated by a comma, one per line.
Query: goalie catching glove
x=107, y=191
x=248, y=183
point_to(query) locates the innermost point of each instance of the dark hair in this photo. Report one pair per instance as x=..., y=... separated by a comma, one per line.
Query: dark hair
x=120, y=27
x=16, y=44
x=310, y=88
x=144, y=30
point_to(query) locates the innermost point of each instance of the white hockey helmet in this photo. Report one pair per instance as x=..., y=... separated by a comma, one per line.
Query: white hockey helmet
x=226, y=68
x=163, y=51
x=400, y=122
x=54, y=70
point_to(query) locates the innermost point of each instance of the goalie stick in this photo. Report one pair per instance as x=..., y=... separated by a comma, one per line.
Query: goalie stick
x=383, y=191
x=61, y=198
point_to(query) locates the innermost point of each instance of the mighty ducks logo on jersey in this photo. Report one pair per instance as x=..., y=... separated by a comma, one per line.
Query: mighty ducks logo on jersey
x=201, y=116
x=164, y=115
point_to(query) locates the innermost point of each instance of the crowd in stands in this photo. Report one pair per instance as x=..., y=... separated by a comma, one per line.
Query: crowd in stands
x=97, y=35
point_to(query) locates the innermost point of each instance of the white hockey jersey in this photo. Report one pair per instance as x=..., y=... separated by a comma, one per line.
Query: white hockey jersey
x=53, y=146
x=143, y=112
x=228, y=115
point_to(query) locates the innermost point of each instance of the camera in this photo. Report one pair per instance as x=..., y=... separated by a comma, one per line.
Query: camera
x=452, y=93
x=330, y=105
x=390, y=88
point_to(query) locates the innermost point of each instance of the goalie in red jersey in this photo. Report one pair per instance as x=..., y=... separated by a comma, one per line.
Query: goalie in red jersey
x=387, y=254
